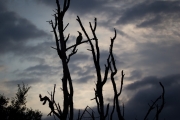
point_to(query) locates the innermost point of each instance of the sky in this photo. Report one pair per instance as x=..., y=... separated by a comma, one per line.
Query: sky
x=147, y=49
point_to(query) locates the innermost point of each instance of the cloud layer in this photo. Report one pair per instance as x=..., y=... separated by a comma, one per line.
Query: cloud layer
x=146, y=48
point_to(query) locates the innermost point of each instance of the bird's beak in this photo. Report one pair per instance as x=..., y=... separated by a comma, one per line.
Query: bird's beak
x=79, y=32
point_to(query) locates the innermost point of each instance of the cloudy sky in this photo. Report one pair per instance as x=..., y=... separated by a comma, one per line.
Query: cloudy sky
x=147, y=49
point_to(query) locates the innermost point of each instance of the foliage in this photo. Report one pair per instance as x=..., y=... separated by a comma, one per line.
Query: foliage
x=16, y=108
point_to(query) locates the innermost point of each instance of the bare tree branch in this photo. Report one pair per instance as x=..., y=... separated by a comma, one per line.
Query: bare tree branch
x=67, y=110
x=162, y=104
x=154, y=103
x=65, y=27
x=72, y=46
x=151, y=107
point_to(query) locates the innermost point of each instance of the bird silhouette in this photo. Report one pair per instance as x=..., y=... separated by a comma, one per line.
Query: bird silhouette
x=79, y=38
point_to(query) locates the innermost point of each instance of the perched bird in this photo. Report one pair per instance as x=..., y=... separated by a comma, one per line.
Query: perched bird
x=79, y=38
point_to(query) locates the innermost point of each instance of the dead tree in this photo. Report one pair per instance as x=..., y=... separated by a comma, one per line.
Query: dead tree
x=58, y=30
x=110, y=65
x=67, y=87
x=61, y=48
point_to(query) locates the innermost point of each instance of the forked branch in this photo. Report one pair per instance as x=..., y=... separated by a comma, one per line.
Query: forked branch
x=155, y=105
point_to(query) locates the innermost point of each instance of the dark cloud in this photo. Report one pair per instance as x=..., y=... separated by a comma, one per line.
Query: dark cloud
x=81, y=7
x=16, y=31
x=16, y=28
x=51, y=3
x=75, y=65
x=28, y=81
x=43, y=48
x=34, y=74
x=151, y=22
x=160, y=54
x=86, y=70
x=39, y=71
x=87, y=6
x=85, y=79
x=39, y=68
x=150, y=13
x=104, y=56
x=135, y=74
x=74, y=68
x=84, y=73
x=153, y=58
x=149, y=89
x=137, y=85
x=16, y=34
x=97, y=8
x=33, y=59
x=121, y=33
x=79, y=57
